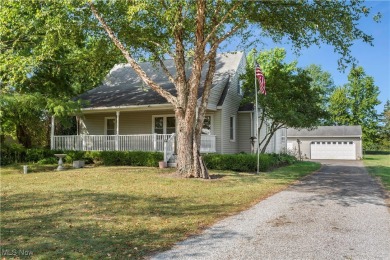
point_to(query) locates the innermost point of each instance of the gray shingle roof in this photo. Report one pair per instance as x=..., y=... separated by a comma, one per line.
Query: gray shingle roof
x=326, y=131
x=122, y=87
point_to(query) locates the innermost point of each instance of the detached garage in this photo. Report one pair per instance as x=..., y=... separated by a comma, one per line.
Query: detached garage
x=326, y=142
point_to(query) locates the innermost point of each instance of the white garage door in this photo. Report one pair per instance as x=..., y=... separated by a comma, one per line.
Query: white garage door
x=333, y=150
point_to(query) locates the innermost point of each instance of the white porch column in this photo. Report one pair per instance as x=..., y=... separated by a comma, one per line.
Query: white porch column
x=52, y=133
x=117, y=131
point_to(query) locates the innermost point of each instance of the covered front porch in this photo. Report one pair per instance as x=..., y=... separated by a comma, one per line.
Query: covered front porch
x=132, y=130
x=139, y=142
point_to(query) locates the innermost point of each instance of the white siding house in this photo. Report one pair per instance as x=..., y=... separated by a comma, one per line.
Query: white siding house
x=124, y=114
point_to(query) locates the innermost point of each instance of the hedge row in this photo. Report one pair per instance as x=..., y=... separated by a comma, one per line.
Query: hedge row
x=130, y=158
x=11, y=155
x=234, y=162
x=17, y=154
x=377, y=152
x=246, y=162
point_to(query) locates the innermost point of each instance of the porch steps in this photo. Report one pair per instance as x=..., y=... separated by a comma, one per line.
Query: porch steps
x=172, y=165
x=172, y=161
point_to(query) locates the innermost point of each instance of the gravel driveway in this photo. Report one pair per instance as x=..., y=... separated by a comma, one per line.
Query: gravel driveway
x=337, y=213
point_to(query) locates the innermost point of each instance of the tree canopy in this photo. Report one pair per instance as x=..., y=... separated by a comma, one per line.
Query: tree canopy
x=186, y=30
x=354, y=104
x=385, y=127
x=321, y=81
x=291, y=101
x=47, y=57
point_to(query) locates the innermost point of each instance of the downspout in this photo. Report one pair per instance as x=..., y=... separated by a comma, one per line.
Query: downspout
x=117, y=131
x=251, y=134
x=221, y=125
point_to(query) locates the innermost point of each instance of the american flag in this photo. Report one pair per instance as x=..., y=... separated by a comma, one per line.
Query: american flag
x=261, y=78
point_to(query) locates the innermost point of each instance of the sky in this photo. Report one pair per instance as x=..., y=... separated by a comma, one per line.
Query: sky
x=375, y=59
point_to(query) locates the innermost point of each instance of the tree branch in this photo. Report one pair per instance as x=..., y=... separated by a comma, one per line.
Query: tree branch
x=166, y=71
x=140, y=72
x=160, y=46
x=215, y=28
x=179, y=57
x=218, y=41
x=198, y=62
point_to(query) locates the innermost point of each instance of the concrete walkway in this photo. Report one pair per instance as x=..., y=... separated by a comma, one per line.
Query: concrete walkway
x=337, y=213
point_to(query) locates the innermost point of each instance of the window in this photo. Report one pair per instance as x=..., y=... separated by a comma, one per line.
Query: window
x=110, y=126
x=158, y=125
x=206, y=129
x=171, y=125
x=232, y=128
x=164, y=124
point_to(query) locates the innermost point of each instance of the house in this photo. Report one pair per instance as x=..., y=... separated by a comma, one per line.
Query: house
x=327, y=142
x=125, y=114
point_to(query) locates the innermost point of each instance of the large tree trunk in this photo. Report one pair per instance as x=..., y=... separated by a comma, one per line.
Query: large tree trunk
x=266, y=143
x=184, y=143
x=189, y=160
x=268, y=137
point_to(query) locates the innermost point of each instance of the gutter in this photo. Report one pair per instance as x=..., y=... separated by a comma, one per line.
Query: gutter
x=127, y=108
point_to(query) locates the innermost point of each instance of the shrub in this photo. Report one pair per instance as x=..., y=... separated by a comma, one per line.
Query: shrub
x=49, y=160
x=246, y=162
x=12, y=153
x=74, y=155
x=92, y=157
x=37, y=154
x=130, y=158
x=377, y=152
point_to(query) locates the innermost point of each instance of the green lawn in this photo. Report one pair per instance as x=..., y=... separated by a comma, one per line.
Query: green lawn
x=121, y=212
x=379, y=166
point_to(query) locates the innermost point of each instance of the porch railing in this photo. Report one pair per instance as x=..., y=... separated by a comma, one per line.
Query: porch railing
x=169, y=148
x=208, y=144
x=141, y=142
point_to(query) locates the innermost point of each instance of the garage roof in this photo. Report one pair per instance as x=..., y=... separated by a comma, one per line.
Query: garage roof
x=327, y=131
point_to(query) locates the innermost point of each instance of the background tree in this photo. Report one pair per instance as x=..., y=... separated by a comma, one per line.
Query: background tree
x=46, y=58
x=339, y=107
x=354, y=104
x=363, y=96
x=385, y=127
x=291, y=101
x=322, y=82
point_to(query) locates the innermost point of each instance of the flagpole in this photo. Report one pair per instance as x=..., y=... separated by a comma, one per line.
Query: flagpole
x=256, y=114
